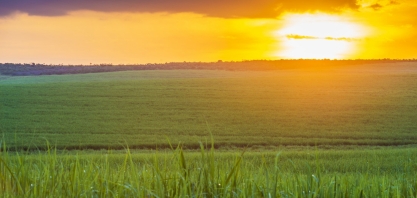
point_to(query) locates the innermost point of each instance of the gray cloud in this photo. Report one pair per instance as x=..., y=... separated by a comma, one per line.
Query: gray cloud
x=215, y=8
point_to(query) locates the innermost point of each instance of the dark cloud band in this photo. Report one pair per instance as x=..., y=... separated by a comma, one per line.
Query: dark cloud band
x=215, y=8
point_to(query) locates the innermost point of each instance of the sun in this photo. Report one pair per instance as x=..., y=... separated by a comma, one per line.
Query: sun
x=318, y=36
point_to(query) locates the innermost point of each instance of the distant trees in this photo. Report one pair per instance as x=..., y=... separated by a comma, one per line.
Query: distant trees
x=27, y=69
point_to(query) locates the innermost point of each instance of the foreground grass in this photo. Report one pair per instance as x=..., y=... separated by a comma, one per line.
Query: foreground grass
x=386, y=172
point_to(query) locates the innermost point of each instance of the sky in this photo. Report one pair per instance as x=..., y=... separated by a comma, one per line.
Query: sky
x=159, y=31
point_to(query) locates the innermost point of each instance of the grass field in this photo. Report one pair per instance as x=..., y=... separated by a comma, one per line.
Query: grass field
x=359, y=105
x=384, y=172
x=335, y=132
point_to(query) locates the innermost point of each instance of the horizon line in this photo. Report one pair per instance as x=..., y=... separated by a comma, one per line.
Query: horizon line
x=205, y=62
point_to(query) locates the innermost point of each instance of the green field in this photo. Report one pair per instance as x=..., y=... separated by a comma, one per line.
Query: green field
x=331, y=132
x=385, y=172
x=354, y=105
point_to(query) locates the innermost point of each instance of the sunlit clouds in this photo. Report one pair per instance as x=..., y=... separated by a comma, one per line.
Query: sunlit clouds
x=213, y=8
x=129, y=32
x=126, y=38
x=318, y=36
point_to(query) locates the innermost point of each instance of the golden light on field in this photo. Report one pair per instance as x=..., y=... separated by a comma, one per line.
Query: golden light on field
x=318, y=36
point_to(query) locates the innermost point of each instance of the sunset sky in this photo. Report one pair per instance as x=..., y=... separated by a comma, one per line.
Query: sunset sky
x=158, y=31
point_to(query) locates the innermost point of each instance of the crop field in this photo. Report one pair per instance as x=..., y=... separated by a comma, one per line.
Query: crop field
x=371, y=105
x=348, y=131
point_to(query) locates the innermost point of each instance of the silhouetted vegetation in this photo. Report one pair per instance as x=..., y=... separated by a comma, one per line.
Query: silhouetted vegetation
x=19, y=69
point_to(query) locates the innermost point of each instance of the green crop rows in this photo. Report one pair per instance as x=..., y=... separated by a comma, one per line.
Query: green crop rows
x=144, y=108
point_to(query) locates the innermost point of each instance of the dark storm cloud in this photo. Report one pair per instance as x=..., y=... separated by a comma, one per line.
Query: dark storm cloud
x=215, y=8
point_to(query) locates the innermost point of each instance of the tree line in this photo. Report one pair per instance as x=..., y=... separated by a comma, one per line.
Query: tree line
x=30, y=69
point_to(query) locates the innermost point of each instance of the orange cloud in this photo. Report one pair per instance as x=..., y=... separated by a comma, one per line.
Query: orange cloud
x=215, y=8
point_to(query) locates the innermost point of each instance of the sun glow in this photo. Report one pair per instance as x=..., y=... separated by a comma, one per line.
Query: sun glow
x=318, y=36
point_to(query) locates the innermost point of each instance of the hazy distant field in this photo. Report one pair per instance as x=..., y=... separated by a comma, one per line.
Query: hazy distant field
x=352, y=105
